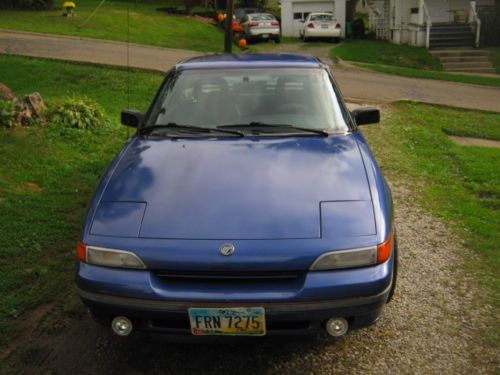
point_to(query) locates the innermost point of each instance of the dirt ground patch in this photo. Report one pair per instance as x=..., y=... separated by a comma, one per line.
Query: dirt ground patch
x=480, y=142
x=28, y=187
x=26, y=324
x=434, y=325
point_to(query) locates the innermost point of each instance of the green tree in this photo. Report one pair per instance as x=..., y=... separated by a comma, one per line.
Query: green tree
x=27, y=4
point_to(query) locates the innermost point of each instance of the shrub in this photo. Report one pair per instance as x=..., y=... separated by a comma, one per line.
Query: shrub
x=7, y=114
x=80, y=113
x=27, y=4
x=490, y=25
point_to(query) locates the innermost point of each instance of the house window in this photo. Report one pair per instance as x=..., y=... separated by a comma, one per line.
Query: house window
x=300, y=15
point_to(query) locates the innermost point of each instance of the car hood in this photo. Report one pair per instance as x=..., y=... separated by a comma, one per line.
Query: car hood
x=230, y=188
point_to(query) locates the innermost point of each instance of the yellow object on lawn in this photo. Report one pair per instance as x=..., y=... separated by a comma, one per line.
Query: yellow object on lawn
x=69, y=4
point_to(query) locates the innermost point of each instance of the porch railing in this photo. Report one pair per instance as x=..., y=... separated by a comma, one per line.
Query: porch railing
x=474, y=20
x=425, y=18
x=378, y=18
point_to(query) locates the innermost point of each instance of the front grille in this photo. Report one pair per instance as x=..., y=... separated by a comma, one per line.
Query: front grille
x=219, y=282
x=229, y=276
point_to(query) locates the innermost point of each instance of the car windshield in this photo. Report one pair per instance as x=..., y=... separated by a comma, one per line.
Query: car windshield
x=321, y=18
x=210, y=98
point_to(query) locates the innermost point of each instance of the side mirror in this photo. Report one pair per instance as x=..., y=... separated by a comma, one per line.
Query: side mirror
x=131, y=118
x=365, y=116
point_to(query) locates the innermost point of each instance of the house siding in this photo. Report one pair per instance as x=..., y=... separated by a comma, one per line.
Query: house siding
x=407, y=28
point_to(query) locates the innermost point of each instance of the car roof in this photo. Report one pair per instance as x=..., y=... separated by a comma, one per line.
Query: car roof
x=321, y=14
x=251, y=60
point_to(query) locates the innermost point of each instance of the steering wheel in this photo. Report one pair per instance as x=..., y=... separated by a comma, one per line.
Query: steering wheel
x=293, y=108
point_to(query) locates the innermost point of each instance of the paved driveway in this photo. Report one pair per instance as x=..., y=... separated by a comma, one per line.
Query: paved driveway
x=368, y=86
x=355, y=84
x=91, y=50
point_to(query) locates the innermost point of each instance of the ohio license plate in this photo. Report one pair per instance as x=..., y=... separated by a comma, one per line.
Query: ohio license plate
x=232, y=321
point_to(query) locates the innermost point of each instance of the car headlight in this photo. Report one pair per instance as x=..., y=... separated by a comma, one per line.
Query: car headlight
x=100, y=256
x=366, y=256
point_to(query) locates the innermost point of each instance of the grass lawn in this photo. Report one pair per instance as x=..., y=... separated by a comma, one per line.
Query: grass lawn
x=385, y=53
x=495, y=57
x=47, y=179
x=147, y=26
x=461, y=184
x=428, y=74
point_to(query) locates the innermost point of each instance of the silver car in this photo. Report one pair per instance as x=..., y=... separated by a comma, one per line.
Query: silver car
x=321, y=25
x=260, y=26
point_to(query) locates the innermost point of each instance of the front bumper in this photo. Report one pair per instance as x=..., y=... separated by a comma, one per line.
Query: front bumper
x=171, y=318
x=292, y=307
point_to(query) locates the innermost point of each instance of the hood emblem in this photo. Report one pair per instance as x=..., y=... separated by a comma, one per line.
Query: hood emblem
x=227, y=249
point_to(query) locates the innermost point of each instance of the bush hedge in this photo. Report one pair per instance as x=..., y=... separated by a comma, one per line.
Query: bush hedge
x=490, y=25
x=27, y=4
x=7, y=114
x=80, y=113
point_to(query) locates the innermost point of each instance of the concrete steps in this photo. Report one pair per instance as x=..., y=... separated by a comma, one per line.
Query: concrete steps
x=451, y=35
x=464, y=60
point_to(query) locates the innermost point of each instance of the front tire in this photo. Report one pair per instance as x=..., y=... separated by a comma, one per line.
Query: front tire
x=277, y=40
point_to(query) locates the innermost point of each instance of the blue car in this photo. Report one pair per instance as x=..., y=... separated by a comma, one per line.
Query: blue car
x=246, y=204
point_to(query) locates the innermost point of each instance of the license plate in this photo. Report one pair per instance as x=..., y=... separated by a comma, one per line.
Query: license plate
x=324, y=26
x=265, y=35
x=232, y=321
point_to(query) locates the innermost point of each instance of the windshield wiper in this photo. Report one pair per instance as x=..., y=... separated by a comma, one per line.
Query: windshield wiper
x=263, y=125
x=189, y=128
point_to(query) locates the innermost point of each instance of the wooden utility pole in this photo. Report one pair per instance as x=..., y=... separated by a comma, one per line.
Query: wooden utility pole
x=228, y=41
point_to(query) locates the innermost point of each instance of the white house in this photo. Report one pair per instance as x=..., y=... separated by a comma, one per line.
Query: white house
x=429, y=23
x=293, y=11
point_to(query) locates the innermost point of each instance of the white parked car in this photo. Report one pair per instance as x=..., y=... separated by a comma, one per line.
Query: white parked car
x=261, y=26
x=321, y=25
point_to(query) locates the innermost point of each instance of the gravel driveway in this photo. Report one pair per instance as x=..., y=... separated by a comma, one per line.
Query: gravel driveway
x=433, y=326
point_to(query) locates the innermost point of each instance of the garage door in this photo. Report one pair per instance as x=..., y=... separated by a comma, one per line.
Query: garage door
x=301, y=10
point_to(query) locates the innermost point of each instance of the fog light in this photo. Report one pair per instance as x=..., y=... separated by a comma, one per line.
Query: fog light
x=122, y=326
x=337, y=327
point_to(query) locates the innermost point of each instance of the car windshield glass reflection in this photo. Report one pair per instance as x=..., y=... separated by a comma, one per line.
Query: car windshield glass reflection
x=321, y=18
x=210, y=98
x=263, y=17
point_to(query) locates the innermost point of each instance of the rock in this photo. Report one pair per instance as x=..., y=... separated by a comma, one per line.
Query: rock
x=6, y=94
x=36, y=103
x=29, y=108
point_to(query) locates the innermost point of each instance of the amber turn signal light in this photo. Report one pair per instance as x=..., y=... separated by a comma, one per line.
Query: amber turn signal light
x=81, y=252
x=384, y=249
